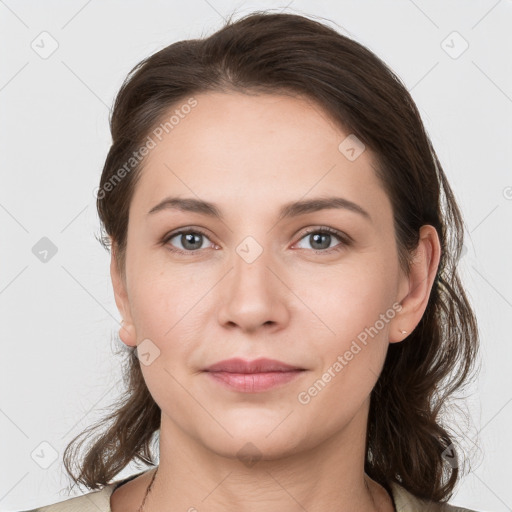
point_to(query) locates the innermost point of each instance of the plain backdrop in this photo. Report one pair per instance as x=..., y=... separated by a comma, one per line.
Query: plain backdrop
x=60, y=68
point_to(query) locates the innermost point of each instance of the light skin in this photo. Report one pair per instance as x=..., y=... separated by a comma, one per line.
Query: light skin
x=250, y=155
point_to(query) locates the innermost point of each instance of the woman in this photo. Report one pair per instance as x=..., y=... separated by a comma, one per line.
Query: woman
x=284, y=248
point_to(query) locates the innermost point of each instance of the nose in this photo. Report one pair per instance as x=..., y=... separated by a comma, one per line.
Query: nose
x=253, y=295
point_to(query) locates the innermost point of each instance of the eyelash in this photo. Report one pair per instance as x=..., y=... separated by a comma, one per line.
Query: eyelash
x=345, y=240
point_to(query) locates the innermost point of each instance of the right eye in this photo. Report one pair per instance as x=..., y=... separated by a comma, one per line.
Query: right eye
x=189, y=240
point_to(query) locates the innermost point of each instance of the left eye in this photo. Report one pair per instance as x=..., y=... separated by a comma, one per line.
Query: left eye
x=321, y=239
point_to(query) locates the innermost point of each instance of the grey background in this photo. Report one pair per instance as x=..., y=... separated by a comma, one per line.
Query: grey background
x=59, y=317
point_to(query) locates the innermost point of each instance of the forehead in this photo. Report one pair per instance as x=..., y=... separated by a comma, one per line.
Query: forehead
x=254, y=150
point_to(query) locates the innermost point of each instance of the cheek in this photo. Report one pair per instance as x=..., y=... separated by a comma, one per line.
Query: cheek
x=164, y=317
x=168, y=310
x=352, y=357
x=346, y=300
x=162, y=297
x=355, y=308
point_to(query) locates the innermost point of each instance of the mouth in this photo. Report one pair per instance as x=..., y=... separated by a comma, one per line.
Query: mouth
x=262, y=365
x=252, y=376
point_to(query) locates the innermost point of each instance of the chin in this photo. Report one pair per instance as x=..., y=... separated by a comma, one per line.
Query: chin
x=251, y=449
x=256, y=439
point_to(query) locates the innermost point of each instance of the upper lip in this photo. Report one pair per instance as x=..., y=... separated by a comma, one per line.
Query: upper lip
x=262, y=365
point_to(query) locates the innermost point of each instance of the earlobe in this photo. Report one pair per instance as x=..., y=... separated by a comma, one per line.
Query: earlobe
x=421, y=278
x=127, y=334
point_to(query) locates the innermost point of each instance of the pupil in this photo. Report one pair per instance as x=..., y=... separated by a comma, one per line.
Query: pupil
x=189, y=238
x=319, y=235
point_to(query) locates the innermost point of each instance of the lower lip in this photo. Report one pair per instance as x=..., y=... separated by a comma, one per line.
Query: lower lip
x=254, y=382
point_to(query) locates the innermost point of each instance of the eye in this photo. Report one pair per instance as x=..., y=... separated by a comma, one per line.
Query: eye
x=189, y=240
x=321, y=239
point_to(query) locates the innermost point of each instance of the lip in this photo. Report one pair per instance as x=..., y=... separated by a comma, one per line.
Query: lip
x=252, y=376
x=261, y=365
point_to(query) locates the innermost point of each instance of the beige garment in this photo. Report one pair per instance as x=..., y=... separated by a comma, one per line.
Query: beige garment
x=99, y=501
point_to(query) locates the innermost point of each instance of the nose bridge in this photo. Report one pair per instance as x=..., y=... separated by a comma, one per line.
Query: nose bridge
x=250, y=263
x=250, y=250
x=252, y=296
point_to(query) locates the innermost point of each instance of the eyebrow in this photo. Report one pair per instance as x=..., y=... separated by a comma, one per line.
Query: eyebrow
x=288, y=210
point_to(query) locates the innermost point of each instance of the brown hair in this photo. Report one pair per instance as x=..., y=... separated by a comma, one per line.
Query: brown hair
x=268, y=53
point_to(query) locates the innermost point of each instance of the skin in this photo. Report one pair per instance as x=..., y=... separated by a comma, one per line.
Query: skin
x=249, y=155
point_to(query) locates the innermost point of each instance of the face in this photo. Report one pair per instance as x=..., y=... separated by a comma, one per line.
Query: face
x=317, y=289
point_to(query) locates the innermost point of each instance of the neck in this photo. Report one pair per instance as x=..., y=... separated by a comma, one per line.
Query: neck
x=327, y=477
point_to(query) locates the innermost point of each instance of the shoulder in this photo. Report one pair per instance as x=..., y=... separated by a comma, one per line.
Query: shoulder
x=407, y=502
x=95, y=501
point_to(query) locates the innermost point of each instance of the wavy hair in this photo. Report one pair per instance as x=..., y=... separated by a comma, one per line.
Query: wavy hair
x=263, y=52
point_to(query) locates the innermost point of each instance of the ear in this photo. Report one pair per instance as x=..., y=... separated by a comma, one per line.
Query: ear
x=417, y=285
x=127, y=330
